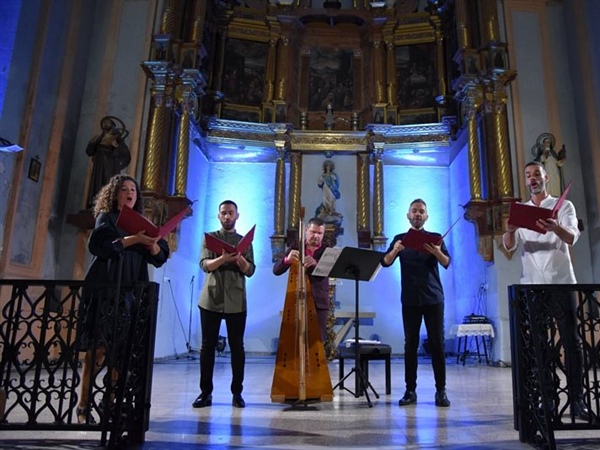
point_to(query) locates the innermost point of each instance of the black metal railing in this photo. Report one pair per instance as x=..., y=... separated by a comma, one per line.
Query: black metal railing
x=42, y=343
x=555, y=349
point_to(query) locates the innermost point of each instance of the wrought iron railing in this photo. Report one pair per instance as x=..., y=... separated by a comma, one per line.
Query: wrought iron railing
x=41, y=330
x=551, y=380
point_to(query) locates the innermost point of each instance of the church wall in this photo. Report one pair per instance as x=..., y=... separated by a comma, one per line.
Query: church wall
x=402, y=185
x=568, y=134
x=114, y=86
x=9, y=11
x=251, y=186
x=42, y=102
x=543, y=102
x=581, y=21
x=470, y=272
x=17, y=54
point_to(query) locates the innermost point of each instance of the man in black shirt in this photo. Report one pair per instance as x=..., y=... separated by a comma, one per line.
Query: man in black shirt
x=422, y=299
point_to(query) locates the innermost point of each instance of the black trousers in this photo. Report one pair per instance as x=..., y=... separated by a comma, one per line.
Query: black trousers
x=562, y=306
x=210, y=322
x=433, y=315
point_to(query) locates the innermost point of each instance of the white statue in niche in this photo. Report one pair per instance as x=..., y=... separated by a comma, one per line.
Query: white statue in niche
x=329, y=183
x=544, y=152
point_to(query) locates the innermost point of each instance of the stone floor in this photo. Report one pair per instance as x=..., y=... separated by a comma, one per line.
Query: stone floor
x=480, y=416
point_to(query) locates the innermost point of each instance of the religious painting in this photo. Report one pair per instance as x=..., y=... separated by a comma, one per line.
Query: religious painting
x=391, y=117
x=416, y=76
x=188, y=56
x=268, y=114
x=244, y=72
x=378, y=115
x=472, y=64
x=35, y=167
x=331, y=81
x=497, y=58
x=241, y=114
x=418, y=118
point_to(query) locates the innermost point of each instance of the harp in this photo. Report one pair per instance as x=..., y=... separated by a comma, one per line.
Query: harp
x=301, y=372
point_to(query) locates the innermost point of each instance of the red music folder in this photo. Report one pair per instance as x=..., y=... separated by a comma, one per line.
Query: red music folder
x=217, y=246
x=416, y=239
x=133, y=222
x=526, y=216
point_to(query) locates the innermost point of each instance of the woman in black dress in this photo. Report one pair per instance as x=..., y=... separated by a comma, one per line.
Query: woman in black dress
x=118, y=258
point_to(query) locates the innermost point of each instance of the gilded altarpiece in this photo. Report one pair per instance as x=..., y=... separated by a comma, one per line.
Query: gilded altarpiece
x=244, y=80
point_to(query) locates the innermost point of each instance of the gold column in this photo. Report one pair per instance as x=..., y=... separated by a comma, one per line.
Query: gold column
x=295, y=185
x=462, y=27
x=199, y=21
x=503, y=161
x=279, y=212
x=183, y=144
x=392, y=93
x=439, y=39
x=363, y=225
x=489, y=152
x=472, y=104
x=278, y=238
x=154, y=140
x=379, y=74
x=282, y=58
x=488, y=19
x=270, y=70
x=378, y=237
x=167, y=22
x=220, y=62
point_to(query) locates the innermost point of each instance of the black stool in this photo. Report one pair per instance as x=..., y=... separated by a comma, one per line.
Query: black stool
x=368, y=352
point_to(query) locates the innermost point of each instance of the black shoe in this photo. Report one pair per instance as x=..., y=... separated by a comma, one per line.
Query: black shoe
x=202, y=401
x=409, y=398
x=441, y=399
x=581, y=411
x=238, y=401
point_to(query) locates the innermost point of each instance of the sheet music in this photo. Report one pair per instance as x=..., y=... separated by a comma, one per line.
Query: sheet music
x=327, y=261
x=350, y=342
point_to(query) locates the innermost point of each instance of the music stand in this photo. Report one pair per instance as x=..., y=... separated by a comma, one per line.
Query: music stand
x=359, y=265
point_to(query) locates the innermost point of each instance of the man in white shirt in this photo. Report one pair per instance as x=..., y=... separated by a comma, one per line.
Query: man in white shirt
x=546, y=260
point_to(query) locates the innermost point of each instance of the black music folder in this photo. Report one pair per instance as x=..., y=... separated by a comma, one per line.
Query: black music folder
x=526, y=216
x=349, y=263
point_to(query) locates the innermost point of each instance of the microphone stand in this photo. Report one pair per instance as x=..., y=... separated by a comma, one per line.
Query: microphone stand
x=189, y=336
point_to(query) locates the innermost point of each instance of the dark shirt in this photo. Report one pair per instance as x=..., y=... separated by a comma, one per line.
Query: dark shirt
x=421, y=284
x=319, y=285
x=111, y=263
x=106, y=249
x=224, y=289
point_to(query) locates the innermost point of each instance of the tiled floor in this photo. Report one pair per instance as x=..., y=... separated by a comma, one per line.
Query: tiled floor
x=480, y=416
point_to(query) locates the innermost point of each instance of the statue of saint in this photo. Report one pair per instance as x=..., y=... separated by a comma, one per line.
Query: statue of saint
x=109, y=154
x=544, y=151
x=330, y=184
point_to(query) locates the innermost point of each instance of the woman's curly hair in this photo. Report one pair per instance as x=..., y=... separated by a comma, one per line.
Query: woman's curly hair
x=106, y=199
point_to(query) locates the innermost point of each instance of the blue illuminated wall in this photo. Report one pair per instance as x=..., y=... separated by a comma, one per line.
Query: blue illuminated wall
x=403, y=184
x=9, y=17
x=180, y=278
x=251, y=186
x=9, y=14
x=471, y=274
